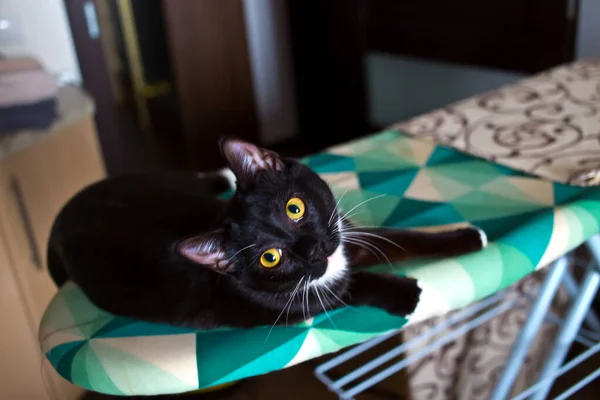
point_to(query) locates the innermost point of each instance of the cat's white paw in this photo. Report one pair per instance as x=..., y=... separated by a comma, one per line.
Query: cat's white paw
x=229, y=176
x=225, y=173
x=482, y=237
x=432, y=303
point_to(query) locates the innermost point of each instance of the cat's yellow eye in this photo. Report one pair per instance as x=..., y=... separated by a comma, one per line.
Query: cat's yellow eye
x=270, y=258
x=295, y=209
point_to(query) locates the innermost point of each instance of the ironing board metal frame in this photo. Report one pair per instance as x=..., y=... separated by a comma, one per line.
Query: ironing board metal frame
x=578, y=314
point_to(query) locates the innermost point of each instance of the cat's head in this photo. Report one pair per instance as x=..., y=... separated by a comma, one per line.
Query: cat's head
x=281, y=229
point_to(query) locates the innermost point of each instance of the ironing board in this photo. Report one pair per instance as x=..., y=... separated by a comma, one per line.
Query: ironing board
x=428, y=180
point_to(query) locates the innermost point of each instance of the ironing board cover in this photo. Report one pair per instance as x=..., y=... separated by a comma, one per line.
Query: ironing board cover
x=530, y=222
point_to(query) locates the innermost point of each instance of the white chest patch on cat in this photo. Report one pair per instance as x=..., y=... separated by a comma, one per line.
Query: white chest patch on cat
x=337, y=266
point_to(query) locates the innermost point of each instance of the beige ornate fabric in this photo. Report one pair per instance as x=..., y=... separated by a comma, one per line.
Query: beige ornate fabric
x=547, y=125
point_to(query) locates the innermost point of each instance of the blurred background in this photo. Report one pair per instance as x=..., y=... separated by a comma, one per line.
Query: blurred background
x=168, y=78
x=126, y=86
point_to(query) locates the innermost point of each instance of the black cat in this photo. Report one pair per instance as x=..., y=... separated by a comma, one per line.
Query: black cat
x=164, y=248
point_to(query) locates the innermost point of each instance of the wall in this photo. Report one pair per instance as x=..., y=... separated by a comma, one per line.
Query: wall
x=43, y=31
x=588, y=35
x=271, y=64
x=400, y=87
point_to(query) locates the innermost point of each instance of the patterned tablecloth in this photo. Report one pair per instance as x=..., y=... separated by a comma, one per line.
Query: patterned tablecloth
x=547, y=125
x=530, y=222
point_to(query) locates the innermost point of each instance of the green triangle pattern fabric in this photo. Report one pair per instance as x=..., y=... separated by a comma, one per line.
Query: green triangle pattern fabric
x=401, y=182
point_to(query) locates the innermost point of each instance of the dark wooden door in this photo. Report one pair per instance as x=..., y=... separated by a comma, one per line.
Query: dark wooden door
x=212, y=73
x=96, y=80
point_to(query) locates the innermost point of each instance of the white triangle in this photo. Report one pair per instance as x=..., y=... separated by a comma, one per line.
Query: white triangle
x=421, y=188
x=419, y=151
x=175, y=354
x=341, y=180
x=310, y=349
x=352, y=148
x=58, y=317
x=537, y=189
x=50, y=338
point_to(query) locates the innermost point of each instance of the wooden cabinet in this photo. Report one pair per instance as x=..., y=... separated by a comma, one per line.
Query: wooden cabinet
x=35, y=182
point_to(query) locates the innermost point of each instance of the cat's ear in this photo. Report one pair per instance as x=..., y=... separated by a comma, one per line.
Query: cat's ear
x=247, y=160
x=206, y=249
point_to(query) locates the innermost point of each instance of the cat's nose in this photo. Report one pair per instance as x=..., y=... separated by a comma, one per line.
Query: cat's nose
x=329, y=247
x=312, y=249
x=318, y=252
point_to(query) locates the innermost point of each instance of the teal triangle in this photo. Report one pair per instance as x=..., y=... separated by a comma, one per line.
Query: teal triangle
x=389, y=182
x=565, y=193
x=328, y=163
x=226, y=195
x=520, y=265
x=86, y=316
x=502, y=199
x=269, y=361
x=372, y=320
x=592, y=194
x=481, y=212
x=331, y=317
x=88, y=372
x=383, y=162
x=495, y=228
x=367, y=208
x=216, y=358
x=411, y=213
x=474, y=172
x=344, y=339
x=532, y=238
x=444, y=155
x=61, y=357
x=126, y=327
x=479, y=205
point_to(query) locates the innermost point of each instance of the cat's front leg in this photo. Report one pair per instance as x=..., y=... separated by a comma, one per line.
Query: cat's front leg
x=374, y=246
x=396, y=295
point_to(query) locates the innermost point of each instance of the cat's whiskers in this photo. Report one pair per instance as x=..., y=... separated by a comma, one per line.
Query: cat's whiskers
x=323, y=305
x=328, y=300
x=336, y=208
x=335, y=295
x=284, y=307
x=347, y=218
x=294, y=293
x=362, y=203
x=349, y=214
x=302, y=299
x=365, y=244
x=307, y=293
x=338, y=228
x=354, y=233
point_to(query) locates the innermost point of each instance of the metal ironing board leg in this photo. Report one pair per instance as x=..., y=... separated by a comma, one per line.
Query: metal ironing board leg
x=535, y=319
